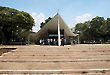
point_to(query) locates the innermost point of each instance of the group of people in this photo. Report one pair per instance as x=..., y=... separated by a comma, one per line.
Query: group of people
x=52, y=41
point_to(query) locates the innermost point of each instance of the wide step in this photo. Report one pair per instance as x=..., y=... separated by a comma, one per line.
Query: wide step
x=73, y=60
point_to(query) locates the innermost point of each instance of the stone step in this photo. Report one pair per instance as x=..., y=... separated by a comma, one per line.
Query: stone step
x=52, y=65
x=55, y=52
x=53, y=60
x=67, y=71
x=73, y=60
x=107, y=57
x=50, y=54
x=65, y=49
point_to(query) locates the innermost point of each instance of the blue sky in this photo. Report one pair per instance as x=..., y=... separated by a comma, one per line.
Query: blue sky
x=72, y=11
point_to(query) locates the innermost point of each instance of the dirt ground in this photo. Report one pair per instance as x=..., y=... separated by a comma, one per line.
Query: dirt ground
x=82, y=59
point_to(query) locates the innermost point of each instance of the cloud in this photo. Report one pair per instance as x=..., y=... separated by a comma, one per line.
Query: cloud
x=38, y=18
x=83, y=18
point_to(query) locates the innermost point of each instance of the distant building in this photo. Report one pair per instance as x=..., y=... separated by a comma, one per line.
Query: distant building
x=50, y=30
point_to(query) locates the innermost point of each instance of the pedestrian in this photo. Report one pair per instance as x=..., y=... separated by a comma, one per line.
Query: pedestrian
x=64, y=41
x=48, y=40
x=40, y=41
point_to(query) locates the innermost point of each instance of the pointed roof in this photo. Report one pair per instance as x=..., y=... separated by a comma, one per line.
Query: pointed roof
x=52, y=25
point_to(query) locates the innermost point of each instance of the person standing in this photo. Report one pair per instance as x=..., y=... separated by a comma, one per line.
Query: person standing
x=40, y=41
x=48, y=40
x=64, y=41
x=54, y=41
x=51, y=41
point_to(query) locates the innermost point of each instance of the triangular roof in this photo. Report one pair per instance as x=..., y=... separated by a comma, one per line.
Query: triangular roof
x=52, y=25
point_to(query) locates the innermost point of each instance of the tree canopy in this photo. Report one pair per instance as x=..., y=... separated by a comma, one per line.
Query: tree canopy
x=46, y=21
x=95, y=31
x=14, y=24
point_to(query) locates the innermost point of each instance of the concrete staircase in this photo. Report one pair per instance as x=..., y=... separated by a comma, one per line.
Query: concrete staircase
x=70, y=60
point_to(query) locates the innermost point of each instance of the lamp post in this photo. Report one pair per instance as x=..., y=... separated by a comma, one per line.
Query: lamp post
x=78, y=37
x=28, y=39
x=89, y=36
x=89, y=33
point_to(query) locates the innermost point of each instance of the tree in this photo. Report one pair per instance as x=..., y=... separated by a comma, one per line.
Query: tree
x=46, y=21
x=13, y=23
x=83, y=30
x=97, y=27
x=107, y=28
x=96, y=30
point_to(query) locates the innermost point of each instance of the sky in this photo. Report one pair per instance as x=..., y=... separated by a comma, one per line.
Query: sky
x=72, y=11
